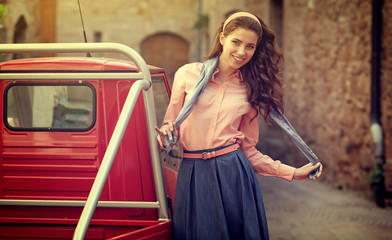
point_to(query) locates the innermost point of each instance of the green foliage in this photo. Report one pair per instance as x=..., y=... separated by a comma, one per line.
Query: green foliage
x=3, y=13
x=377, y=176
x=201, y=22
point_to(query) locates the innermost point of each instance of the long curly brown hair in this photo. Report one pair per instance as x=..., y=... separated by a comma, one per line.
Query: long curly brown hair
x=261, y=73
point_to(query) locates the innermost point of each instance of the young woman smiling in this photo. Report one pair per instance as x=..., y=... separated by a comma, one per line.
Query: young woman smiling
x=217, y=193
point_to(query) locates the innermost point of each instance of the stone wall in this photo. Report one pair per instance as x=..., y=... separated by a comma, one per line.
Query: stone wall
x=26, y=12
x=127, y=22
x=28, y=9
x=327, y=46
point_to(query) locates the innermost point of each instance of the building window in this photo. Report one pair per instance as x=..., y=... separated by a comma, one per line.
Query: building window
x=97, y=36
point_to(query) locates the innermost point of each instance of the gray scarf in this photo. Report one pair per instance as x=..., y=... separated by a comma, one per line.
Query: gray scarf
x=205, y=75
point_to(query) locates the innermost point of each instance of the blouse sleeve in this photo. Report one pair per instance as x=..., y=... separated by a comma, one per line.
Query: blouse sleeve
x=177, y=97
x=262, y=164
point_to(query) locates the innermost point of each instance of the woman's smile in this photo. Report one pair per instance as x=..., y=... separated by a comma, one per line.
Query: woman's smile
x=238, y=59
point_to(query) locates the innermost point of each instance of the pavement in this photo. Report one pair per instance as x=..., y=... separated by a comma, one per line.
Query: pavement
x=312, y=210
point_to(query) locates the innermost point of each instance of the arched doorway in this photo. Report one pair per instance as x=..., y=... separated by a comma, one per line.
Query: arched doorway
x=166, y=50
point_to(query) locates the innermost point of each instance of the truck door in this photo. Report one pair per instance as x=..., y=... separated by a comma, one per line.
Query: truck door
x=170, y=161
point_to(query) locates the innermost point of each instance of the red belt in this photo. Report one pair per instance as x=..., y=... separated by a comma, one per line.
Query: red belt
x=207, y=155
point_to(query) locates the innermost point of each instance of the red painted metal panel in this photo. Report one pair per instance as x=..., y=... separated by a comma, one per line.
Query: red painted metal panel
x=50, y=232
x=161, y=231
x=98, y=230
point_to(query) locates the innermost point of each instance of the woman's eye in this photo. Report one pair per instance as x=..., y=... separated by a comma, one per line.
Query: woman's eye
x=235, y=42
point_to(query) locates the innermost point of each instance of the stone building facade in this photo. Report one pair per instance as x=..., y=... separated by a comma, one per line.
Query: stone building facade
x=327, y=69
x=328, y=49
x=327, y=74
x=21, y=24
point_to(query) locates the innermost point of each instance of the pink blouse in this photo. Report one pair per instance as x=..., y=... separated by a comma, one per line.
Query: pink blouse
x=221, y=116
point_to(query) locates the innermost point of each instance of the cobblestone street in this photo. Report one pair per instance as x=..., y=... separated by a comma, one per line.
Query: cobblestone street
x=312, y=210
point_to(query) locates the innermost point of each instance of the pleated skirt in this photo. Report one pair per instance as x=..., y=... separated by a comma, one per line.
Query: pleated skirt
x=218, y=198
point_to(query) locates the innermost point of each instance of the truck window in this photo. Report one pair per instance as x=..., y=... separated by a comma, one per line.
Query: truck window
x=49, y=107
x=161, y=98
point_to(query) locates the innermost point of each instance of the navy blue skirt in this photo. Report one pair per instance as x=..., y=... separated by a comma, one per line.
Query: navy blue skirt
x=218, y=198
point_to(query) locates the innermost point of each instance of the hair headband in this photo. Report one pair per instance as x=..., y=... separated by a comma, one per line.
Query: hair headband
x=240, y=14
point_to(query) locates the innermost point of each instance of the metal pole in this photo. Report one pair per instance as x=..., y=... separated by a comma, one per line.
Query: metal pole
x=108, y=158
x=74, y=203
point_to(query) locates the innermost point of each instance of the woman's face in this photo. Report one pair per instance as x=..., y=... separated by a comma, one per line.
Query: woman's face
x=238, y=48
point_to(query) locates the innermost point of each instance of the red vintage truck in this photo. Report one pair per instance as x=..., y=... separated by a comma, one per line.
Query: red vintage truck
x=79, y=157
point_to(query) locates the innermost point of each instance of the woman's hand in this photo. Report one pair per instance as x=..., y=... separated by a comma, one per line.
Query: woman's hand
x=303, y=172
x=165, y=130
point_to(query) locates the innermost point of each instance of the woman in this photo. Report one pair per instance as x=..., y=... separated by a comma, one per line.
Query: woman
x=217, y=193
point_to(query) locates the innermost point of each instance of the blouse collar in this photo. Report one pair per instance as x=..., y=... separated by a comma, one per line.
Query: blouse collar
x=236, y=74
